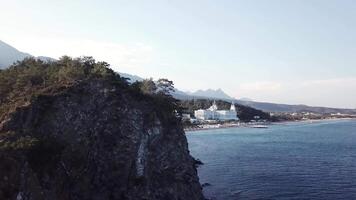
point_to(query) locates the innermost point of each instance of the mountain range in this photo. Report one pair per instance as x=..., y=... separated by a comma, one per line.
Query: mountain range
x=287, y=108
x=210, y=93
x=9, y=55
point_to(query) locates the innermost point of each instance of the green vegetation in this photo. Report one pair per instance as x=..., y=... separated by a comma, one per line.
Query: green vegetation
x=30, y=78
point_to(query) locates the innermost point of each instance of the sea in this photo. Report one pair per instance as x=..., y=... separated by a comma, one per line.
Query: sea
x=297, y=160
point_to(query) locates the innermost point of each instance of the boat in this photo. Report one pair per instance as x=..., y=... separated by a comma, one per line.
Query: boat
x=259, y=126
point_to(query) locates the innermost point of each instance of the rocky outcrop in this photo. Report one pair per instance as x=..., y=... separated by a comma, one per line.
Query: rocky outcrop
x=93, y=140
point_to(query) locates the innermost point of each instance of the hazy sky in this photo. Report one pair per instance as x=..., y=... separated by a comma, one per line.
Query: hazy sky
x=285, y=51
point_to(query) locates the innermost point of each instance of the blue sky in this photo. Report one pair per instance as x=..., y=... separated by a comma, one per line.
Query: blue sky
x=295, y=51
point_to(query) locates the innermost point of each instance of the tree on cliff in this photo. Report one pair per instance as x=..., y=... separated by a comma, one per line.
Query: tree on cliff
x=148, y=86
x=165, y=86
x=160, y=91
x=32, y=77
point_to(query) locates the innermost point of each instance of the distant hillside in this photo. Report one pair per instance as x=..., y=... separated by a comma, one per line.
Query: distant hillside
x=219, y=94
x=132, y=78
x=9, y=55
x=273, y=107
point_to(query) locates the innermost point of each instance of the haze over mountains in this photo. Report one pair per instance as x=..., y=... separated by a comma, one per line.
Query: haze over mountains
x=9, y=55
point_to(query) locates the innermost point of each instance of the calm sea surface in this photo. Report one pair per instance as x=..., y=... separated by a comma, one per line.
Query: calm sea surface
x=289, y=161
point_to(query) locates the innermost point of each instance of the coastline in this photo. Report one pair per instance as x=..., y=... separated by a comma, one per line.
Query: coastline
x=253, y=125
x=226, y=126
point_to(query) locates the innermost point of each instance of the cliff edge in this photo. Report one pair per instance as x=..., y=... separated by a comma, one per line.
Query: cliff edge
x=89, y=136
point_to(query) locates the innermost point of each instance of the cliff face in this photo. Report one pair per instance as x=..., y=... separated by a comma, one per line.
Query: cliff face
x=94, y=141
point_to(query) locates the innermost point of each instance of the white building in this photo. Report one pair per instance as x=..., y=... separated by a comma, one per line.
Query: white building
x=214, y=114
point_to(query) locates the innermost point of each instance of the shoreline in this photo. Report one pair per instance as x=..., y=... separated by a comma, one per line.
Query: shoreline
x=313, y=120
x=251, y=125
x=226, y=126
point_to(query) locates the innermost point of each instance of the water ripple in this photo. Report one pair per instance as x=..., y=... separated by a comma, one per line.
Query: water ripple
x=301, y=161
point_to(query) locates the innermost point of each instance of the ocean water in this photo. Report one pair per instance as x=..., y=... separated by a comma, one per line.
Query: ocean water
x=315, y=161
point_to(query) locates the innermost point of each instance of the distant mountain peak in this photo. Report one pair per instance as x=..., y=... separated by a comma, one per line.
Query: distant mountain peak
x=211, y=93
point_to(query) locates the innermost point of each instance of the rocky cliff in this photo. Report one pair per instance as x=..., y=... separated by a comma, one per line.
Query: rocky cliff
x=93, y=139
